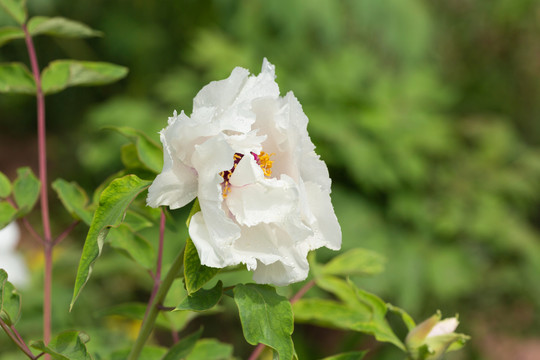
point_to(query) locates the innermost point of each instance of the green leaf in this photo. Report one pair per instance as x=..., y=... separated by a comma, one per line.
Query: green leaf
x=147, y=353
x=359, y=310
x=5, y=186
x=355, y=262
x=202, y=299
x=195, y=274
x=74, y=199
x=136, y=311
x=210, y=349
x=9, y=33
x=15, y=78
x=10, y=300
x=353, y=355
x=407, y=319
x=134, y=245
x=69, y=345
x=266, y=317
x=7, y=213
x=182, y=348
x=16, y=9
x=113, y=204
x=25, y=190
x=61, y=74
x=149, y=153
x=59, y=26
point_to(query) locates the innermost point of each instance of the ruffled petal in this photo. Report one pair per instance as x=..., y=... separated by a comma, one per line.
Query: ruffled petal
x=176, y=185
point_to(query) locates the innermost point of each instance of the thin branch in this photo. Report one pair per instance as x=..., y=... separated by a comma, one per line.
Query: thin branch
x=66, y=232
x=159, y=261
x=15, y=337
x=44, y=202
x=20, y=338
x=260, y=347
x=31, y=230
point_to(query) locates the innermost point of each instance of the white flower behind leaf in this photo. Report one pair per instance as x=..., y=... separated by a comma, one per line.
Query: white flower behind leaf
x=434, y=337
x=10, y=260
x=264, y=193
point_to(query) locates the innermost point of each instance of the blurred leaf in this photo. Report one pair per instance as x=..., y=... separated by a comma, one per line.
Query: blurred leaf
x=15, y=78
x=137, y=222
x=134, y=245
x=113, y=203
x=16, y=9
x=59, y=26
x=9, y=33
x=202, y=299
x=10, y=301
x=74, y=199
x=353, y=355
x=7, y=213
x=360, y=310
x=407, y=319
x=61, y=74
x=149, y=153
x=26, y=189
x=68, y=345
x=182, y=348
x=5, y=186
x=136, y=311
x=195, y=274
x=355, y=262
x=147, y=353
x=210, y=349
x=266, y=317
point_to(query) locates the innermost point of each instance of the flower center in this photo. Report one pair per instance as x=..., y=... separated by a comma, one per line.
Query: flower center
x=263, y=160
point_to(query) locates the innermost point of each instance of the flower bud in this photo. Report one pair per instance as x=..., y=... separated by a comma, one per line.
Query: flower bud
x=432, y=338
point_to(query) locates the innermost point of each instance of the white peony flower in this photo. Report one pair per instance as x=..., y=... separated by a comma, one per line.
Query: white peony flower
x=12, y=262
x=264, y=193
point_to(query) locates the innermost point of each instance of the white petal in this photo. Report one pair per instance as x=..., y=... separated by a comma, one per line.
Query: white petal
x=326, y=225
x=267, y=201
x=16, y=268
x=210, y=252
x=444, y=327
x=176, y=185
x=9, y=237
x=221, y=93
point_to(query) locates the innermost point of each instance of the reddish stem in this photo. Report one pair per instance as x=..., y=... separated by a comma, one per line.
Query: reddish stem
x=66, y=232
x=260, y=347
x=16, y=338
x=42, y=154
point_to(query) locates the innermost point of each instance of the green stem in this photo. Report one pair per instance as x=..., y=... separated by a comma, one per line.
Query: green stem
x=154, y=307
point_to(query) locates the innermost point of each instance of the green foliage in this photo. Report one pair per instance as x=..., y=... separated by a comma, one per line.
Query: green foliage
x=353, y=355
x=355, y=262
x=16, y=78
x=16, y=9
x=358, y=310
x=59, y=26
x=149, y=154
x=25, y=190
x=182, y=348
x=69, y=345
x=9, y=33
x=61, y=74
x=210, y=349
x=202, y=299
x=266, y=318
x=133, y=244
x=74, y=199
x=113, y=203
x=5, y=186
x=195, y=274
x=10, y=301
x=7, y=213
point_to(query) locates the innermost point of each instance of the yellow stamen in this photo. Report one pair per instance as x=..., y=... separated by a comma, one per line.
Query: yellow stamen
x=265, y=163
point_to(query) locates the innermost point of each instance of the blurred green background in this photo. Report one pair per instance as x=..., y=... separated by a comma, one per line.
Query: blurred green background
x=426, y=113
